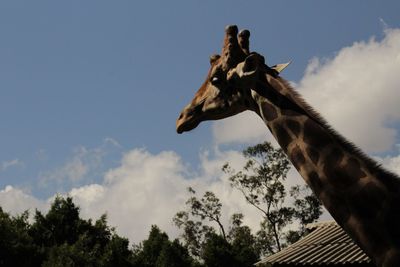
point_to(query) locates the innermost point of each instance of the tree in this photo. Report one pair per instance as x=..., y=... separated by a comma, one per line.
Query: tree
x=60, y=225
x=262, y=184
x=16, y=246
x=191, y=222
x=217, y=252
x=173, y=254
x=159, y=251
x=233, y=248
x=307, y=209
x=208, y=207
x=244, y=247
x=194, y=232
x=61, y=238
x=238, y=251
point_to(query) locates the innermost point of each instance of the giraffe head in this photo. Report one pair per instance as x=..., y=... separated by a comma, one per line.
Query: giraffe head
x=226, y=90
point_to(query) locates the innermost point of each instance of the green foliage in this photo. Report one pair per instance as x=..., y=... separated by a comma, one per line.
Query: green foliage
x=244, y=247
x=238, y=252
x=16, y=246
x=60, y=225
x=173, y=254
x=236, y=248
x=194, y=232
x=208, y=207
x=61, y=238
x=217, y=252
x=307, y=206
x=262, y=184
x=159, y=251
x=70, y=256
x=117, y=252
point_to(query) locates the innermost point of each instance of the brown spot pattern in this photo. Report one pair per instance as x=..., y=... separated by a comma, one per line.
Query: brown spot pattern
x=336, y=205
x=269, y=112
x=315, y=182
x=353, y=167
x=294, y=127
x=313, y=154
x=276, y=85
x=332, y=160
x=297, y=157
x=282, y=136
x=392, y=217
x=390, y=181
x=372, y=233
x=290, y=112
x=337, y=175
x=315, y=135
x=367, y=201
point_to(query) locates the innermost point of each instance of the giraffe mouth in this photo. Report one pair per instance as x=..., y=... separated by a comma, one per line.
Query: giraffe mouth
x=190, y=117
x=186, y=123
x=186, y=127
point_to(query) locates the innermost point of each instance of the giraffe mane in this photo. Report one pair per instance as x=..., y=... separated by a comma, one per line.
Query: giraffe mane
x=348, y=145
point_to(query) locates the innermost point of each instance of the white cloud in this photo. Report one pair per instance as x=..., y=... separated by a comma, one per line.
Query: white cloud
x=148, y=189
x=112, y=141
x=72, y=171
x=42, y=155
x=246, y=127
x=10, y=163
x=16, y=201
x=82, y=162
x=88, y=194
x=392, y=163
x=357, y=91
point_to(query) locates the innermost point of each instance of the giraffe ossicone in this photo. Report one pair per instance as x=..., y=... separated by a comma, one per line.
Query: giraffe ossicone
x=361, y=196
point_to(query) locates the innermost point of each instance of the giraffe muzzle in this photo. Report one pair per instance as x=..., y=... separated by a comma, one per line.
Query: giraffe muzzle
x=186, y=123
x=190, y=117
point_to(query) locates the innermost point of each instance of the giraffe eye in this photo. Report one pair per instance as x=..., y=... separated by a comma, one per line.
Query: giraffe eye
x=215, y=80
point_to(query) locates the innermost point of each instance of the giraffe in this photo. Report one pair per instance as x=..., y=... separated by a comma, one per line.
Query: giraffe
x=361, y=196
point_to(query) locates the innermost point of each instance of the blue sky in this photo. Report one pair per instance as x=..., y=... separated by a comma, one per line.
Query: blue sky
x=85, y=83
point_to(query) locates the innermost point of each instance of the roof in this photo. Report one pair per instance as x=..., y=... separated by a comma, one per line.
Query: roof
x=326, y=245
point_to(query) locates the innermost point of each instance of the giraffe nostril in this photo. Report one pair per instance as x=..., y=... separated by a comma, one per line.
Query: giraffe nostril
x=180, y=116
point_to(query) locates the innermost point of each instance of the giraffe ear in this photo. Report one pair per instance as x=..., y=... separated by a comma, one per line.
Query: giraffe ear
x=280, y=67
x=252, y=63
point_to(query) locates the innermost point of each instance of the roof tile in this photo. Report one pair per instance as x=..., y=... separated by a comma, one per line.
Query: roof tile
x=326, y=244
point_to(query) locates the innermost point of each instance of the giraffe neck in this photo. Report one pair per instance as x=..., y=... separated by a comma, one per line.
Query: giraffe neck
x=361, y=196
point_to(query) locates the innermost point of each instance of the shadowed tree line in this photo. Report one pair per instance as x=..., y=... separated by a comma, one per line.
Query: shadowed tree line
x=62, y=238
x=285, y=212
